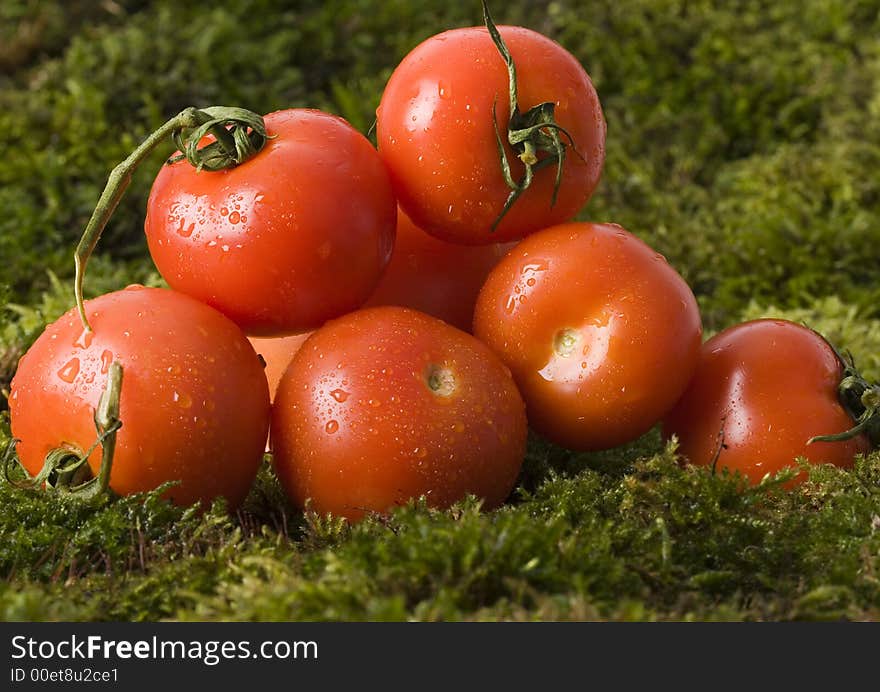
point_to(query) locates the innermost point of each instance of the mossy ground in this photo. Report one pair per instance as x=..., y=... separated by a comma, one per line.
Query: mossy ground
x=743, y=143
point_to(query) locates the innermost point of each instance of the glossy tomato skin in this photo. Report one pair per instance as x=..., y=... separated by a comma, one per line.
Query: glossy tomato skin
x=601, y=334
x=194, y=403
x=277, y=352
x=439, y=278
x=357, y=427
x=435, y=131
x=763, y=388
x=296, y=235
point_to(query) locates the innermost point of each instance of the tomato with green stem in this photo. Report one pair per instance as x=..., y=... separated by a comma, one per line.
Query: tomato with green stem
x=467, y=164
x=388, y=404
x=767, y=392
x=192, y=405
x=296, y=235
x=600, y=332
x=279, y=222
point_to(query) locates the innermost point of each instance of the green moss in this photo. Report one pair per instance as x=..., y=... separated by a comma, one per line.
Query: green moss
x=743, y=143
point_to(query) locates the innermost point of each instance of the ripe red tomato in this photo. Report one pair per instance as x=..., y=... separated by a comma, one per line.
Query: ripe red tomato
x=294, y=236
x=439, y=278
x=277, y=352
x=194, y=404
x=387, y=404
x=761, y=390
x=436, y=132
x=601, y=334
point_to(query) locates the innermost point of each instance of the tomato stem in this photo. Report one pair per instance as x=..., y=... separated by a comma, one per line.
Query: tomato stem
x=530, y=134
x=861, y=400
x=65, y=468
x=238, y=135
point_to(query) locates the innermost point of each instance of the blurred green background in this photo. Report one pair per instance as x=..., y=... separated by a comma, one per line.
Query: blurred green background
x=743, y=143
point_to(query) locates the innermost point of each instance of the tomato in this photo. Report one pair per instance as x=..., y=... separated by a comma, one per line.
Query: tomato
x=761, y=390
x=387, y=404
x=436, y=132
x=277, y=352
x=433, y=276
x=601, y=334
x=296, y=235
x=194, y=403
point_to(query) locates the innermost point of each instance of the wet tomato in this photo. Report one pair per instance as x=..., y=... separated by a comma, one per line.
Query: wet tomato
x=761, y=391
x=439, y=278
x=436, y=132
x=194, y=402
x=294, y=236
x=601, y=334
x=388, y=404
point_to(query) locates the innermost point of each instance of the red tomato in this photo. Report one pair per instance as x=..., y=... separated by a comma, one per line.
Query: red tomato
x=294, y=236
x=435, y=131
x=194, y=404
x=439, y=278
x=387, y=404
x=277, y=352
x=761, y=390
x=601, y=334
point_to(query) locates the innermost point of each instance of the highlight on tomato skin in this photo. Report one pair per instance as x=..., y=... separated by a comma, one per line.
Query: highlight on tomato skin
x=600, y=332
x=761, y=391
x=439, y=278
x=388, y=404
x=435, y=131
x=292, y=237
x=194, y=403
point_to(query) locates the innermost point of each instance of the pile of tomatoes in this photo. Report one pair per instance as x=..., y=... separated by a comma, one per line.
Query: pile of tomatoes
x=416, y=307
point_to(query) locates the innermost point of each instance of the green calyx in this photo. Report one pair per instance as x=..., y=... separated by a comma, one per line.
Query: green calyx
x=65, y=468
x=238, y=134
x=861, y=400
x=534, y=136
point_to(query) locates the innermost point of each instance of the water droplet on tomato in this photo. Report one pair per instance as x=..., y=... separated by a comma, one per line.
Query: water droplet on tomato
x=106, y=359
x=182, y=399
x=224, y=211
x=458, y=426
x=339, y=394
x=70, y=370
x=185, y=230
x=511, y=304
x=85, y=339
x=331, y=427
x=234, y=217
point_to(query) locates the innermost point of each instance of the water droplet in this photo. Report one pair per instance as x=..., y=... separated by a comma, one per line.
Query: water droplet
x=70, y=370
x=339, y=394
x=85, y=339
x=420, y=452
x=530, y=282
x=106, y=359
x=234, y=217
x=174, y=369
x=331, y=427
x=185, y=231
x=458, y=426
x=375, y=403
x=224, y=211
x=511, y=304
x=183, y=399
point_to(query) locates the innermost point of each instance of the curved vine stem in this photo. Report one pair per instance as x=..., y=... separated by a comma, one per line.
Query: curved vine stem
x=860, y=399
x=238, y=135
x=66, y=468
x=530, y=134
